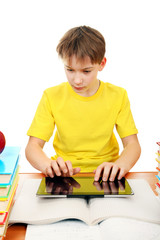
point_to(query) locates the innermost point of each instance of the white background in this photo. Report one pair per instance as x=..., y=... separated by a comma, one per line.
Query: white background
x=29, y=33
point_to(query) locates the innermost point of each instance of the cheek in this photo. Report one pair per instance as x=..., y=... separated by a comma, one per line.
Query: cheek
x=92, y=77
x=68, y=75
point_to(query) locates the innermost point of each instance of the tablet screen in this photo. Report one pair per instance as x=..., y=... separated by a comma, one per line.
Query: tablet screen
x=83, y=187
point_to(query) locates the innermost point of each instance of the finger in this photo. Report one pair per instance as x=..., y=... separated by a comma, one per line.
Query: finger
x=98, y=172
x=55, y=168
x=121, y=185
x=69, y=167
x=49, y=186
x=106, y=187
x=65, y=186
x=62, y=165
x=113, y=187
x=70, y=189
x=97, y=185
x=73, y=182
x=58, y=190
x=49, y=172
x=106, y=172
x=76, y=170
x=113, y=173
x=64, y=192
x=122, y=173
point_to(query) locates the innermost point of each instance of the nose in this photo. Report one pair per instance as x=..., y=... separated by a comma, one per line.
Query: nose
x=78, y=78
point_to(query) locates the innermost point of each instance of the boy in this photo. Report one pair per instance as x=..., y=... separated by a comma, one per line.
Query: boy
x=85, y=111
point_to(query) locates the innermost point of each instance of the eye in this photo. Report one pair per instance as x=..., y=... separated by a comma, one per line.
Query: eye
x=69, y=70
x=87, y=71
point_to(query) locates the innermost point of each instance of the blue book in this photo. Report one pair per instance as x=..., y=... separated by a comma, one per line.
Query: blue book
x=9, y=159
x=7, y=179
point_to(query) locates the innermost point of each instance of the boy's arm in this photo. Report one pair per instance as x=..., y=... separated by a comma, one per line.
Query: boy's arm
x=35, y=154
x=38, y=159
x=123, y=164
x=129, y=155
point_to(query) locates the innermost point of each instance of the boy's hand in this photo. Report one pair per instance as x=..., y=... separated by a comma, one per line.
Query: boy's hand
x=61, y=168
x=109, y=187
x=63, y=185
x=109, y=171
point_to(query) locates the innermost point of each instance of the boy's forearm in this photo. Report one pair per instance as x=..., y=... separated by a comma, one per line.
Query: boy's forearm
x=129, y=156
x=36, y=157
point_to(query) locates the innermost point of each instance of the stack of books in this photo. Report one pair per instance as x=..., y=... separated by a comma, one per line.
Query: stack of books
x=9, y=168
x=158, y=168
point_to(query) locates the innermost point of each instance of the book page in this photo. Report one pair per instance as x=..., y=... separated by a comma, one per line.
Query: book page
x=143, y=205
x=5, y=178
x=5, y=205
x=111, y=229
x=128, y=229
x=29, y=208
x=3, y=217
x=64, y=230
x=4, y=191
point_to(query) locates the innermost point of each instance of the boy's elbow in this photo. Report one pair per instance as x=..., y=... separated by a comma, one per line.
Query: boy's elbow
x=139, y=150
x=27, y=151
x=137, y=147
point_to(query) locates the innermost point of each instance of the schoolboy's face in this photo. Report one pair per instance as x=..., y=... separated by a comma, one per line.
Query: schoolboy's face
x=82, y=75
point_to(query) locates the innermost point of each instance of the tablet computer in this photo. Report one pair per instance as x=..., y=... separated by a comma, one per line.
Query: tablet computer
x=82, y=187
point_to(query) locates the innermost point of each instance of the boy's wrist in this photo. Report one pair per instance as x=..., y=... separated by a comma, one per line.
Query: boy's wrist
x=121, y=163
x=45, y=165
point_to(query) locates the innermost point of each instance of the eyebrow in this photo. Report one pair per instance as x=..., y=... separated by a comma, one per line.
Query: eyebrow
x=81, y=69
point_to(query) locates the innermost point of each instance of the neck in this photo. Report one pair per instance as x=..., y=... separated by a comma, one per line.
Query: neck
x=91, y=92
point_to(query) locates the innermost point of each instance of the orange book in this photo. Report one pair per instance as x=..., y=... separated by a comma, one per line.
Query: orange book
x=158, y=169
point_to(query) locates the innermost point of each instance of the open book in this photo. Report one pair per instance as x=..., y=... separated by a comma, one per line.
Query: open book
x=33, y=210
x=116, y=228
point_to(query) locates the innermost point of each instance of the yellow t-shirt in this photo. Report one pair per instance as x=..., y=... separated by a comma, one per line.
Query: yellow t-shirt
x=85, y=125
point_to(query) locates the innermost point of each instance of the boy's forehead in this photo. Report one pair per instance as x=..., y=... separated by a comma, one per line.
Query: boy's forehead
x=73, y=61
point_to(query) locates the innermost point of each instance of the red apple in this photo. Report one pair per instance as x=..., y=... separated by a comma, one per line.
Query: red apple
x=2, y=142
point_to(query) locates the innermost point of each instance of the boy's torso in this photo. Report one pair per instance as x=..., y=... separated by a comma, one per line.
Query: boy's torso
x=85, y=125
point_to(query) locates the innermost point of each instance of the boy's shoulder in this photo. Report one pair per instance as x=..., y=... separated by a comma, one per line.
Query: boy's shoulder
x=58, y=89
x=114, y=88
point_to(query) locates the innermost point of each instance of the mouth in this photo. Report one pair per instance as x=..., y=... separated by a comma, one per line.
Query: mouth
x=78, y=88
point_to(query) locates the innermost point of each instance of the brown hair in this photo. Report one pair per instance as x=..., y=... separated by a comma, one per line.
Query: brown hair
x=82, y=41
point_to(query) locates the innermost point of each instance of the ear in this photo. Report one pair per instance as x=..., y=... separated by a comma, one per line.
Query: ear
x=102, y=64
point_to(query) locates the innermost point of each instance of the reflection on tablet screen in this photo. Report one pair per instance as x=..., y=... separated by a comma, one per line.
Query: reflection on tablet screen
x=82, y=186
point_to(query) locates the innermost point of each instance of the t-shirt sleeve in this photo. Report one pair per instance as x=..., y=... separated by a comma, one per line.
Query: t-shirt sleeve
x=125, y=124
x=43, y=123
